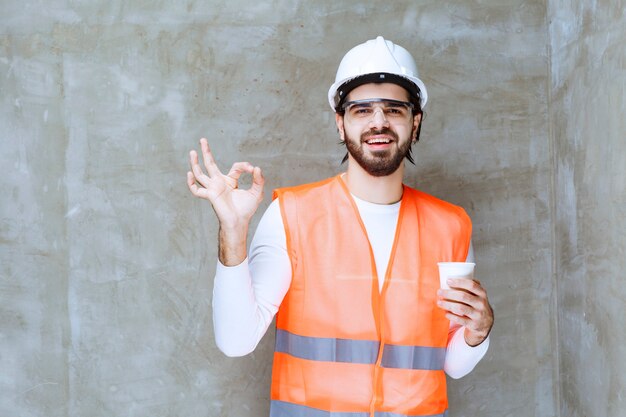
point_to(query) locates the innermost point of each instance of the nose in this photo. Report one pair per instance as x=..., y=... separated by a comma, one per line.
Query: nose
x=378, y=118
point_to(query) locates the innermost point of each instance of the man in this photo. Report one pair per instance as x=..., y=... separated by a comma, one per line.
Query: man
x=350, y=263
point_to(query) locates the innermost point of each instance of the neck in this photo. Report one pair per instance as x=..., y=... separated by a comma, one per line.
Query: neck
x=378, y=190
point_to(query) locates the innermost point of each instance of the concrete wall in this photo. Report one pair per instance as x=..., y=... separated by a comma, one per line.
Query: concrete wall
x=587, y=112
x=107, y=261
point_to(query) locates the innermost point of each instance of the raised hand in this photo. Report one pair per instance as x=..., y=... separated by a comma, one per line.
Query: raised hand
x=233, y=206
x=467, y=304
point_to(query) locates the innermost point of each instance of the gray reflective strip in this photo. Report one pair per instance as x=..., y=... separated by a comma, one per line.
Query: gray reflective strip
x=359, y=351
x=285, y=409
x=413, y=357
x=326, y=349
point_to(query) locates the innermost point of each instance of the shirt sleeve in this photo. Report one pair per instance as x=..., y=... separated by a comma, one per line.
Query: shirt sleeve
x=247, y=296
x=461, y=358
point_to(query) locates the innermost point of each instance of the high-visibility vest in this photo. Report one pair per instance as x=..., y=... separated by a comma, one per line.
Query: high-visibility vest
x=344, y=348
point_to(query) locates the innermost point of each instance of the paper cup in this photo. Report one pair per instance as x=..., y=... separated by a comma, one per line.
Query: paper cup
x=454, y=270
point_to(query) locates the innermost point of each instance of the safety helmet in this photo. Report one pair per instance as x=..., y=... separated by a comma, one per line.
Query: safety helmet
x=376, y=61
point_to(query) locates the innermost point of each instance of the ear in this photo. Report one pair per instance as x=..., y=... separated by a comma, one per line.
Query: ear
x=339, y=122
x=417, y=119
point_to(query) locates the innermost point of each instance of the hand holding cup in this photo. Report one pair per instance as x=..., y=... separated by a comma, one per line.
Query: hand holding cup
x=465, y=300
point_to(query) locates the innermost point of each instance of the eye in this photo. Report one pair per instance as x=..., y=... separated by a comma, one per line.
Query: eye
x=395, y=111
x=361, y=110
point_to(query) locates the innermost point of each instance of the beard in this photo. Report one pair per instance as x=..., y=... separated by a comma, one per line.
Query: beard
x=378, y=163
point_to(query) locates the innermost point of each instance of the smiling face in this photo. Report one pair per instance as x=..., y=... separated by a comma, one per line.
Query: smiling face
x=379, y=140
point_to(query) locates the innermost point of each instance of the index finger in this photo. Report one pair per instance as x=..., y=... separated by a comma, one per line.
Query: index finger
x=470, y=285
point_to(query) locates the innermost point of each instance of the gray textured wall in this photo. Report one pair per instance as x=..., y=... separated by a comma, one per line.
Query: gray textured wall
x=588, y=109
x=106, y=260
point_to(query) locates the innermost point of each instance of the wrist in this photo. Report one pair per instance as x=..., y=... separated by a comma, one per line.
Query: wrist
x=474, y=339
x=232, y=244
x=233, y=230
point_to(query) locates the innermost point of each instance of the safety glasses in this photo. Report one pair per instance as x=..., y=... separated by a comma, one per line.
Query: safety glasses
x=391, y=109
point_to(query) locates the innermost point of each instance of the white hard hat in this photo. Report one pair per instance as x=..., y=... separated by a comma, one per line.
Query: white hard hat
x=376, y=60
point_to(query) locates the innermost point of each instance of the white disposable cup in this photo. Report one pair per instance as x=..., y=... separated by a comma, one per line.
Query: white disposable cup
x=454, y=270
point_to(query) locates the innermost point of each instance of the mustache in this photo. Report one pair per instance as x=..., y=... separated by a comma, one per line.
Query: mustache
x=384, y=131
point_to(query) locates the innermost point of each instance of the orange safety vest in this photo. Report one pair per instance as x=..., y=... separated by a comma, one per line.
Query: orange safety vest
x=344, y=348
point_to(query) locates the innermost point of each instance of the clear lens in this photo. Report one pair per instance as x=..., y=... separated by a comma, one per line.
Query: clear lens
x=365, y=109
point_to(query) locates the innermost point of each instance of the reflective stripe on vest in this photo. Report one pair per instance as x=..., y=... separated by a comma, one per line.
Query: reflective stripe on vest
x=285, y=409
x=359, y=351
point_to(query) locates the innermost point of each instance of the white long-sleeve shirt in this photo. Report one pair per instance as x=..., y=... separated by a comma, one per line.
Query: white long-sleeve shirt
x=247, y=296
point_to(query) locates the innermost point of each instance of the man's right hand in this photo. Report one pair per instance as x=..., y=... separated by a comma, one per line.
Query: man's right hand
x=233, y=206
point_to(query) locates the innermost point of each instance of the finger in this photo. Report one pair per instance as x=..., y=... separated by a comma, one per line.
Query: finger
x=199, y=175
x=193, y=187
x=193, y=158
x=458, y=296
x=207, y=156
x=463, y=321
x=194, y=162
x=257, y=181
x=459, y=309
x=191, y=183
x=470, y=285
x=239, y=168
x=478, y=303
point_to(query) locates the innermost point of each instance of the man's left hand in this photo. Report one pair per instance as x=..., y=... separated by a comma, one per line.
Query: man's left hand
x=467, y=304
